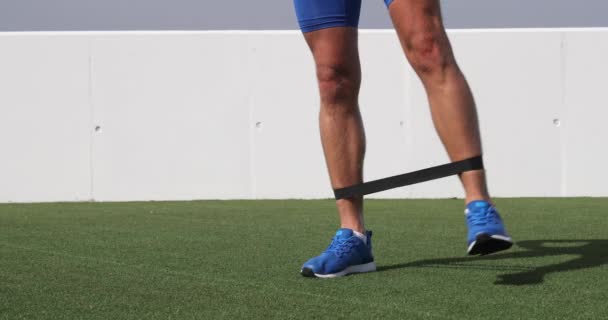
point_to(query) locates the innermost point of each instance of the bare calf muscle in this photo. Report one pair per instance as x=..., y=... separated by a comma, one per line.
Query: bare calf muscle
x=426, y=45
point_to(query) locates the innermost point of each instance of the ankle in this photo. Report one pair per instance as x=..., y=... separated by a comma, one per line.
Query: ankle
x=353, y=226
x=351, y=214
x=470, y=199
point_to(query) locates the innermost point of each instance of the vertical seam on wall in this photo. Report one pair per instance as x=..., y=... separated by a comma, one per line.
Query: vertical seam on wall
x=406, y=100
x=91, y=121
x=252, y=123
x=563, y=115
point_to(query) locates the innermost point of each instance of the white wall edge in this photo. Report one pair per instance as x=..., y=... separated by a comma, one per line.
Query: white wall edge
x=276, y=32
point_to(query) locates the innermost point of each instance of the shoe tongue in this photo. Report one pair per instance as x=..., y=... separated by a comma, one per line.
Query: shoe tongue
x=478, y=205
x=344, y=234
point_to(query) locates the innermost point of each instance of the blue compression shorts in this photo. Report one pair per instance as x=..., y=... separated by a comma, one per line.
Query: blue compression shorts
x=321, y=14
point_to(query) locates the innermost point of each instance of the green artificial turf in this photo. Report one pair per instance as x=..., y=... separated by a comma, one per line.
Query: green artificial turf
x=240, y=260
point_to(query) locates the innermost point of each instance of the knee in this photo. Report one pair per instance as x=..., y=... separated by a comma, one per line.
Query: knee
x=429, y=52
x=338, y=84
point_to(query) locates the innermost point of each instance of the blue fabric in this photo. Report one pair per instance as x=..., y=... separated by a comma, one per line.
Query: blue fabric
x=321, y=14
x=345, y=250
x=482, y=217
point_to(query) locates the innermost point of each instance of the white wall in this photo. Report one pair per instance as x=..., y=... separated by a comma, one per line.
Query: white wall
x=225, y=115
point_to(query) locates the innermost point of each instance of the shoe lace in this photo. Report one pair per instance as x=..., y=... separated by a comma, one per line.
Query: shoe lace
x=340, y=247
x=487, y=216
x=493, y=216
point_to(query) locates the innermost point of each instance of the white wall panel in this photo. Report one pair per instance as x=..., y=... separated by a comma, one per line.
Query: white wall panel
x=516, y=78
x=585, y=121
x=287, y=155
x=382, y=103
x=173, y=112
x=226, y=115
x=44, y=118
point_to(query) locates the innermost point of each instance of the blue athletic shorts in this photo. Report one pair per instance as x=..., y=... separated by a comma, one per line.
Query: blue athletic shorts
x=321, y=14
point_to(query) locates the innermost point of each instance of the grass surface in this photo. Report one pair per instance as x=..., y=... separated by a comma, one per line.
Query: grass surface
x=240, y=260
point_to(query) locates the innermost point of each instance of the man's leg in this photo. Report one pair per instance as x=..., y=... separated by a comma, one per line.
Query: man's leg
x=339, y=76
x=330, y=29
x=425, y=43
x=421, y=32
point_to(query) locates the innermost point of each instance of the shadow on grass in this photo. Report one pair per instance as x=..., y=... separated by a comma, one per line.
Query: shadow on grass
x=591, y=253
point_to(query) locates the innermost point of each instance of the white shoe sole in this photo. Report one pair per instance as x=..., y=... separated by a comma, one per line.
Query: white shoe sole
x=361, y=268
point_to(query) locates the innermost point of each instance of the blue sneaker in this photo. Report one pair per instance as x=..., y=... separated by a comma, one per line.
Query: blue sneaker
x=346, y=254
x=487, y=233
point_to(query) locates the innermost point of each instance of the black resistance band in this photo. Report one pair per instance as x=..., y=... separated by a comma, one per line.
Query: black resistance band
x=410, y=178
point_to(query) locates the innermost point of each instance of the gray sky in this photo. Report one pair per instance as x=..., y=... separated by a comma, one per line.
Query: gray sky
x=49, y=15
